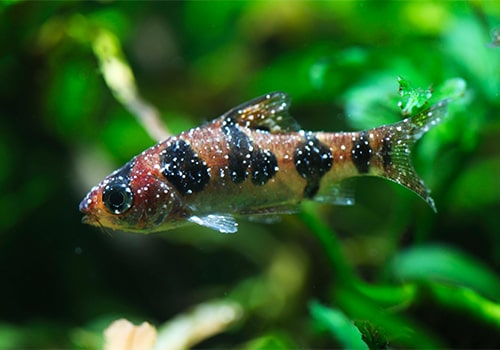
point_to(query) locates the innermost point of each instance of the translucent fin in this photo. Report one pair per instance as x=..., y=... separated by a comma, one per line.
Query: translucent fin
x=268, y=113
x=265, y=219
x=221, y=223
x=425, y=120
x=275, y=210
x=341, y=193
x=398, y=142
x=270, y=215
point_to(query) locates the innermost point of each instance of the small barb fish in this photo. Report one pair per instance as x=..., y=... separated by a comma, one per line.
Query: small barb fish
x=254, y=160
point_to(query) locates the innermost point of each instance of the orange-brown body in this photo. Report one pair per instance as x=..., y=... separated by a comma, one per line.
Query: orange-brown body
x=253, y=160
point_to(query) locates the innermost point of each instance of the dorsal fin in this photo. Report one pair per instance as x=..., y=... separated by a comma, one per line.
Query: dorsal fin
x=268, y=113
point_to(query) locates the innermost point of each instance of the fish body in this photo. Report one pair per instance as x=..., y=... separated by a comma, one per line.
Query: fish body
x=253, y=160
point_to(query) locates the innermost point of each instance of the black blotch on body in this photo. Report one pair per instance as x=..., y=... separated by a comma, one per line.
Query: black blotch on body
x=264, y=166
x=361, y=153
x=312, y=160
x=386, y=152
x=244, y=156
x=262, y=128
x=183, y=168
x=240, y=151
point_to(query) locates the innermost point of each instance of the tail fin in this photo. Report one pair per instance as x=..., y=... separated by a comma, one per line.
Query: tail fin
x=396, y=144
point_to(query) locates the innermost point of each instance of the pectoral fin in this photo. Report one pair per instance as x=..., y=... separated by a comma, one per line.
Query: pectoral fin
x=223, y=223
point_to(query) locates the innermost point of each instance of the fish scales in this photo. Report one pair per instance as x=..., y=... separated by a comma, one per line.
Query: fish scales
x=253, y=160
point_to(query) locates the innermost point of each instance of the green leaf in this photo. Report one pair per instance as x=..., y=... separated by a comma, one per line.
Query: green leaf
x=339, y=325
x=444, y=264
x=398, y=328
x=368, y=104
x=466, y=193
x=412, y=99
x=495, y=37
x=72, y=98
x=478, y=62
x=123, y=136
x=329, y=241
x=452, y=88
x=467, y=300
x=271, y=342
x=372, y=335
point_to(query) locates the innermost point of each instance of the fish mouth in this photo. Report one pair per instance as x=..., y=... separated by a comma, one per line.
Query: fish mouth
x=88, y=218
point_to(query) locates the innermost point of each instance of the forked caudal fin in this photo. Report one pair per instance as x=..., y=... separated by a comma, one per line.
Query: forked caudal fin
x=397, y=140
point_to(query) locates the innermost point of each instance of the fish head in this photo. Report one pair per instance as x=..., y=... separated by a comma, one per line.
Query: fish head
x=133, y=200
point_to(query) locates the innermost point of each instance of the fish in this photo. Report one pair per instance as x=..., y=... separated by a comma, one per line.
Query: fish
x=254, y=161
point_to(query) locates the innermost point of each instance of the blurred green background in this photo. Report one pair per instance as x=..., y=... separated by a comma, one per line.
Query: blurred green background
x=385, y=272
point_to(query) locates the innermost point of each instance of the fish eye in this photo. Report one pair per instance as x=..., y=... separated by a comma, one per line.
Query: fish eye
x=117, y=198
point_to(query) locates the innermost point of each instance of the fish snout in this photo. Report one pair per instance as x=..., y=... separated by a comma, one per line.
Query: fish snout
x=87, y=208
x=85, y=205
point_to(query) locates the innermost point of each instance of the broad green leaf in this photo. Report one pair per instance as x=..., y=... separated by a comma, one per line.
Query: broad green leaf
x=368, y=104
x=469, y=301
x=445, y=264
x=495, y=37
x=399, y=330
x=123, y=136
x=270, y=342
x=72, y=98
x=452, y=88
x=339, y=325
x=477, y=186
x=481, y=64
x=372, y=335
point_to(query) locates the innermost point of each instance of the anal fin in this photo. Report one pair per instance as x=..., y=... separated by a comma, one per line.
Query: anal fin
x=270, y=215
x=339, y=193
x=265, y=219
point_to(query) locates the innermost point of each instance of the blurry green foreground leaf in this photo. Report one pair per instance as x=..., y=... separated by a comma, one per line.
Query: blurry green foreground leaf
x=339, y=325
x=372, y=335
x=368, y=104
x=477, y=186
x=399, y=330
x=495, y=37
x=469, y=301
x=452, y=88
x=271, y=341
x=441, y=263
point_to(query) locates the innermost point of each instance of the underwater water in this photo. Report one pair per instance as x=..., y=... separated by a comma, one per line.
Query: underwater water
x=385, y=272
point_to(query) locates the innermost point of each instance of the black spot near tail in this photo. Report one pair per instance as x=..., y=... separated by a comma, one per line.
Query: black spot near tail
x=312, y=160
x=386, y=152
x=361, y=152
x=183, y=168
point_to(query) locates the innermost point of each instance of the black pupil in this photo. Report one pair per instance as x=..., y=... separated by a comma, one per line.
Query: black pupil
x=117, y=198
